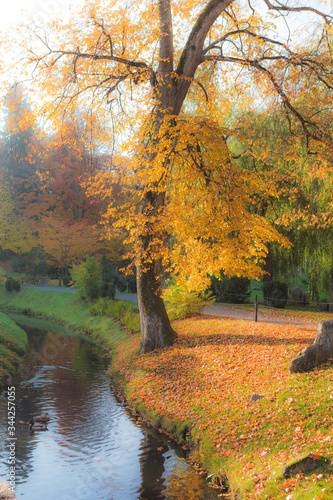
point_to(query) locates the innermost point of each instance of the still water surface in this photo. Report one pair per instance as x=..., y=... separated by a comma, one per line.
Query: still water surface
x=93, y=449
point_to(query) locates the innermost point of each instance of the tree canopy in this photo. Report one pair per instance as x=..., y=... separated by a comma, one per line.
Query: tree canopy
x=169, y=75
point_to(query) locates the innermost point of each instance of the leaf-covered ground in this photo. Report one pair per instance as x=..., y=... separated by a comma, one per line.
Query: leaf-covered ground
x=201, y=387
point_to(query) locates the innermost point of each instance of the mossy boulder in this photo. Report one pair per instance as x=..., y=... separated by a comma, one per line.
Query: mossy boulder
x=304, y=464
x=317, y=353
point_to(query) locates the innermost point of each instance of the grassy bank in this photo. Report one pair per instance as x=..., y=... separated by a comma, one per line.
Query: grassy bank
x=65, y=308
x=199, y=390
x=13, y=342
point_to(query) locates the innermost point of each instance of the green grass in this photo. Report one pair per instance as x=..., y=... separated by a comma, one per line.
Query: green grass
x=126, y=312
x=65, y=308
x=13, y=343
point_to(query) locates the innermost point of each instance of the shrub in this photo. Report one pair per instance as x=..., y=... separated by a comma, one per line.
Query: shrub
x=234, y=290
x=16, y=285
x=121, y=282
x=131, y=321
x=182, y=304
x=107, y=290
x=87, y=277
x=275, y=294
x=12, y=285
x=131, y=284
x=67, y=281
x=99, y=308
x=2, y=275
x=9, y=284
x=118, y=309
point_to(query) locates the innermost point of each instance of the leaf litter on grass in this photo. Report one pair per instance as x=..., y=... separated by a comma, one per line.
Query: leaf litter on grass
x=207, y=378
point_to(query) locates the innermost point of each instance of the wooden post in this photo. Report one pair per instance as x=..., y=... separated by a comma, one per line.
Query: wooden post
x=256, y=309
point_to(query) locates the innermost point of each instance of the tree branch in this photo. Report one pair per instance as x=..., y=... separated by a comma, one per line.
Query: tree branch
x=284, y=8
x=191, y=56
x=305, y=124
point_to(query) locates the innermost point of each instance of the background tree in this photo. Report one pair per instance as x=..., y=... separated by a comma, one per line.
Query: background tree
x=169, y=66
x=15, y=234
x=69, y=160
x=19, y=152
x=303, y=209
x=67, y=242
x=65, y=215
x=20, y=143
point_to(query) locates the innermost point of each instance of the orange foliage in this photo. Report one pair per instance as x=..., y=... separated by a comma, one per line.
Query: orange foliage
x=176, y=111
x=66, y=241
x=169, y=77
x=206, y=380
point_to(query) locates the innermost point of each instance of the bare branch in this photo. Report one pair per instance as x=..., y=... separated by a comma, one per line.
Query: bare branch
x=306, y=125
x=284, y=8
x=99, y=57
x=245, y=32
x=253, y=11
x=204, y=90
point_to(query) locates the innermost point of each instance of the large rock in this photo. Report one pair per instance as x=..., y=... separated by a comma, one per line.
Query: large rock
x=307, y=359
x=324, y=337
x=316, y=354
x=301, y=465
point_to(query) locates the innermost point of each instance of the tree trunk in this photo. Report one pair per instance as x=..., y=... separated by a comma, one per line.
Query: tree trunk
x=171, y=91
x=268, y=266
x=156, y=328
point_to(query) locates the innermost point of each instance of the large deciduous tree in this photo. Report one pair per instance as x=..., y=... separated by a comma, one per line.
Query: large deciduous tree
x=173, y=72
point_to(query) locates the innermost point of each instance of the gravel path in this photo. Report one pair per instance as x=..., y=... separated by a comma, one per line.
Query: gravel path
x=214, y=310
x=230, y=312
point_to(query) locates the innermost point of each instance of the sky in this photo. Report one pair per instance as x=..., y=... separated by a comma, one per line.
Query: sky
x=15, y=11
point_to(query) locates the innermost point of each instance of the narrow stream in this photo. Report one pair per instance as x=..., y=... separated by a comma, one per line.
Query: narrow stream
x=92, y=449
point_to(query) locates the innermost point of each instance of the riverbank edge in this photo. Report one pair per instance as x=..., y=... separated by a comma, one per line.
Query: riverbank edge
x=13, y=344
x=30, y=302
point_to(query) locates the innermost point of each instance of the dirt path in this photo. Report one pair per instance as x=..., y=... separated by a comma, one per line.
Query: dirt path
x=230, y=312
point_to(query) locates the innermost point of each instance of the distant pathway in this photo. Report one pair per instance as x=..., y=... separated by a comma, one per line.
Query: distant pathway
x=230, y=312
x=214, y=310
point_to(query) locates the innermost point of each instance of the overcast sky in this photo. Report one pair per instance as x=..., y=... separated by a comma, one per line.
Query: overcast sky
x=15, y=11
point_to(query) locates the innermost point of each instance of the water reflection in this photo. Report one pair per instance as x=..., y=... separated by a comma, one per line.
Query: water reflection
x=92, y=450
